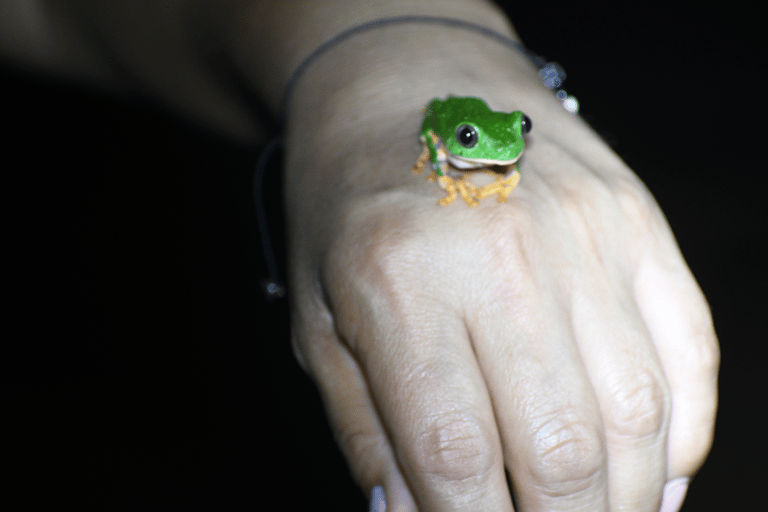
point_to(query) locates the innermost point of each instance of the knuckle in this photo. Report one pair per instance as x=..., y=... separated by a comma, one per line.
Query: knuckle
x=357, y=442
x=510, y=234
x=581, y=217
x=589, y=211
x=573, y=204
x=371, y=242
x=638, y=405
x=607, y=199
x=578, y=197
x=374, y=261
x=386, y=258
x=634, y=201
x=703, y=355
x=362, y=449
x=521, y=213
x=568, y=454
x=455, y=447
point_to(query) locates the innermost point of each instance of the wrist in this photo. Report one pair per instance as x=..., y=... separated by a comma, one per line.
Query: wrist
x=269, y=66
x=366, y=96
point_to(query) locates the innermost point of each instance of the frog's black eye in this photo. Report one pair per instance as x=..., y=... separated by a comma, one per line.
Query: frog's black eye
x=466, y=135
x=525, y=124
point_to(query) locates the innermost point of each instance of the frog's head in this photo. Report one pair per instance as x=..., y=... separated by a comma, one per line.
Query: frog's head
x=482, y=138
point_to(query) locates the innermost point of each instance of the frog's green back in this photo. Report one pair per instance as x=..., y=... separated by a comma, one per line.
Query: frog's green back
x=457, y=108
x=497, y=135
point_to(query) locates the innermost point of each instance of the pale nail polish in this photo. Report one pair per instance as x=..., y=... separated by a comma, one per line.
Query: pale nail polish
x=377, y=503
x=674, y=494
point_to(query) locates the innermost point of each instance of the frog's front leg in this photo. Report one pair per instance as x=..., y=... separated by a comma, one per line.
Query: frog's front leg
x=419, y=166
x=438, y=153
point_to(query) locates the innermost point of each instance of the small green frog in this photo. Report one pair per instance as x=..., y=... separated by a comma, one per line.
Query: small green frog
x=465, y=133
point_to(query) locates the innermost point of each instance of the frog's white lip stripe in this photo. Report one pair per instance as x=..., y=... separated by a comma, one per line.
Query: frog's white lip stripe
x=471, y=163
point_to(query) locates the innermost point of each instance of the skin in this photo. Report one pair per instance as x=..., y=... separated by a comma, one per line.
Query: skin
x=559, y=335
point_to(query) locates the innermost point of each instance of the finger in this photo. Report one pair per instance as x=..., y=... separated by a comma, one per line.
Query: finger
x=440, y=418
x=349, y=408
x=631, y=387
x=615, y=345
x=681, y=325
x=428, y=389
x=548, y=415
x=634, y=397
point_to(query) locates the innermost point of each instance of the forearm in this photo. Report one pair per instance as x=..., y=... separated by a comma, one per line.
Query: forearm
x=173, y=53
x=292, y=29
x=194, y=55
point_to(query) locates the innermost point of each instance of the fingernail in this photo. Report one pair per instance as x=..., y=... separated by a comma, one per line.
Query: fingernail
x=674, y=494
x=378, y=503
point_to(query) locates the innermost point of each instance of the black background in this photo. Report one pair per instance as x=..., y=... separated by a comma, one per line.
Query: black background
x=152, y=375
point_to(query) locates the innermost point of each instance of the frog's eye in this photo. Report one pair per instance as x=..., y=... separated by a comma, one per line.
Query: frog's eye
x=466, y=135
x=525, y=124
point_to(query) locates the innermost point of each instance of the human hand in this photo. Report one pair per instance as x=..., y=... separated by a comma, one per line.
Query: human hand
x=558, y=335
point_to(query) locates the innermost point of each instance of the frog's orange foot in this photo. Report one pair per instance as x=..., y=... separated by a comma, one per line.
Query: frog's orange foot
x=467, y=191
x=449, y=185
x=419, y=165
x=502, y=186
